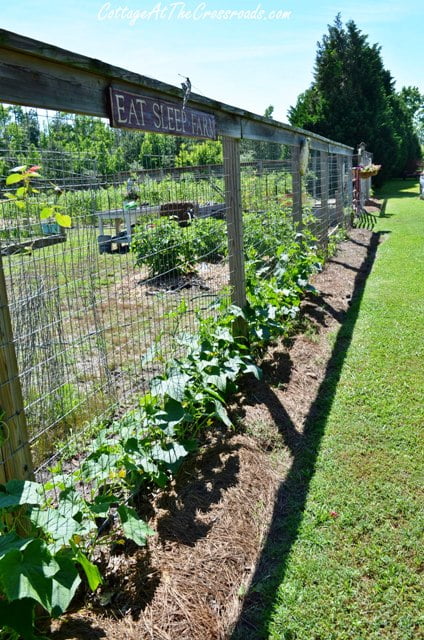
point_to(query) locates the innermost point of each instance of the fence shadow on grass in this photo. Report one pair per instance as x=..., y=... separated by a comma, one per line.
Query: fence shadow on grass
x=292, y=496
x=201, y=484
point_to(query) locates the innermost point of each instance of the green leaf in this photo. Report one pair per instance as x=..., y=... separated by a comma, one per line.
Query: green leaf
x=19, y=616
x=222, y=333
x=214, y=394
x=28, y=573
x=54, y=524
x=46, y=212
x=221, y=414
x=150, y=355
x=102, y=504
x=21, y=192
x=173, y=412
x=174, y=386
x=257, y=371
x=219, y=381
x=91, y=571
x=99, y=470
x=14, y=178
x=63, y=220
x=17, y=492
x=12, y=541
x=70, y=502
x=10, y=196
x=172, y=456
x=32, y=174
x=64, y=585
x=134, y=528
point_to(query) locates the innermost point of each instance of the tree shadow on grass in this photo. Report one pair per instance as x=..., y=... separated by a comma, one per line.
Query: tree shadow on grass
x=293, y=493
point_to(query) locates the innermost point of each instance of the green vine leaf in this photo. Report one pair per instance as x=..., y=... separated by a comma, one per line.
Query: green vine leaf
x=46, y=212
x=17, y=492
x=92, y=572
x=64, y=585
x=54, y=524
x=19, y=616
x=11, y=541
x=28, y=573
x=14, y=178
x=174, y=386
x=134, y=528
x=63, y=220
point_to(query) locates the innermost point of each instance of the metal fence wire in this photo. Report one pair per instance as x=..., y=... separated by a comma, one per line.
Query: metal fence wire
x=96, y=309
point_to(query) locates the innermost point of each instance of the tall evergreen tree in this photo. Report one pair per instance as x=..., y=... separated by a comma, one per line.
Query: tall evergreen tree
x=352, y=99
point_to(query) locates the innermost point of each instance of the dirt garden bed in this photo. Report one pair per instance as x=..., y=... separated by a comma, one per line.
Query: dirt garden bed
x=191, y=581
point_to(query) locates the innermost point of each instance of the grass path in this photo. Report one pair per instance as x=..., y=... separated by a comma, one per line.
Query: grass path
x=354, y=570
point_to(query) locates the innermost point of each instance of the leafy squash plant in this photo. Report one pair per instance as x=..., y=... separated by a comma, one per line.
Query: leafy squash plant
x=39, y=556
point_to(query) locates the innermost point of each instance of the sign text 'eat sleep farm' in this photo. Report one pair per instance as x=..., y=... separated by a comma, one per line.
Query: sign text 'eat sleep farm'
x=132, y=111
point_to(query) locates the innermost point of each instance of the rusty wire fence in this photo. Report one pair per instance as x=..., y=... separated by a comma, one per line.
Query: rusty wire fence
x=97, y=309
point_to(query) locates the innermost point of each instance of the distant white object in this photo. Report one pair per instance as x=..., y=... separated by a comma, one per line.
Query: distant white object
x=422, y=186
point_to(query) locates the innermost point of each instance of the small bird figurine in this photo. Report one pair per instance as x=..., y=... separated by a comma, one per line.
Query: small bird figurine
x=187, y=90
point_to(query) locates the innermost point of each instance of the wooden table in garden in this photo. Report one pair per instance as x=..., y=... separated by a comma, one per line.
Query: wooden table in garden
x=118, y=216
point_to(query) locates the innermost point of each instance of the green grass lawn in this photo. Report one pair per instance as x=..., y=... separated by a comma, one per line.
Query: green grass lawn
x=354, y=574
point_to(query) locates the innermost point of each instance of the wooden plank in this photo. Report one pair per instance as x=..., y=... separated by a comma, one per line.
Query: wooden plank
x=339, y=193
x=24, y=82
x=297, y=188
x=16, y=461
x=269, y=132
x=340, y=149
x=231, y=151
x=35, y=243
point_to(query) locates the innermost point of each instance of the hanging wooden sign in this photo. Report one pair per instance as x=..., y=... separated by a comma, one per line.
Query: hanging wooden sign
x=133, y=111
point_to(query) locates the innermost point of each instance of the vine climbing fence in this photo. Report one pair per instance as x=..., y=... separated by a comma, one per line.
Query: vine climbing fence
x=90, y=310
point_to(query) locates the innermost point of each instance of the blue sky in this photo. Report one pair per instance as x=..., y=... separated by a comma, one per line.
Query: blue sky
x=250, y=63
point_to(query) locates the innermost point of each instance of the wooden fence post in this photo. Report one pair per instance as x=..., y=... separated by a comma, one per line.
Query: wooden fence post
x=350, y=181
x=340, y=191
x=324, y=196
x=231, y=152
x=15, y=453
x=296, y=188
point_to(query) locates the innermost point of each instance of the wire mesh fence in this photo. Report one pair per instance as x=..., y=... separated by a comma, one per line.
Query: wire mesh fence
x=97, y=306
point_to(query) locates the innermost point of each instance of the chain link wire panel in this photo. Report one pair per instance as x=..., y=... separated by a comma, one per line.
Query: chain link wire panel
x=97, y=309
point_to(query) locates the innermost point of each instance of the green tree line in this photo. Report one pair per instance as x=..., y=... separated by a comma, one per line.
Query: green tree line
x=352, y=99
